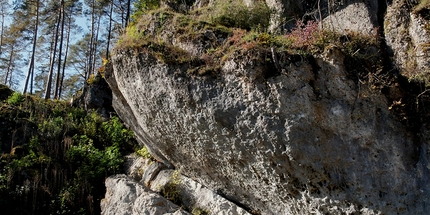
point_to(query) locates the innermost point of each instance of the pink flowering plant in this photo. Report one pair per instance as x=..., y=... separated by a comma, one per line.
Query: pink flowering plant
x=304, y=34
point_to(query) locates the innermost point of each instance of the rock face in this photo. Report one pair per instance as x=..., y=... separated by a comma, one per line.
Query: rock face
x=309, y=139
x=302, y=137
x=408, y=36
x=96, y=96
x=340, y=15
x=359, y=16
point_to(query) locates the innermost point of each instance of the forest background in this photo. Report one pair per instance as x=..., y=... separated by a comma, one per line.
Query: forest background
x=50, y=47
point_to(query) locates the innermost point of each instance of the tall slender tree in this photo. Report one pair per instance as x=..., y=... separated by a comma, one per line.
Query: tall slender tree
x=60, y=49
x=4, y=6
x=30, y=71
x=109, y=29
x=48, y=87
x=10, y=62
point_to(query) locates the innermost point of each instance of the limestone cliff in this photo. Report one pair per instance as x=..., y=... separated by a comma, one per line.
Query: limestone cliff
x=277, y=132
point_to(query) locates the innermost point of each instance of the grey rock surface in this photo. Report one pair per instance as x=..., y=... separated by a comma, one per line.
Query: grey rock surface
x=135, y=166
x=307, y=140
x=354, y=17
x=408, y=37
x=124, y=196
x=195, y=195
x=151, y=172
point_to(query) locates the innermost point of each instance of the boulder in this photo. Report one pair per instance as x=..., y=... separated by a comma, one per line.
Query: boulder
x=311, y=138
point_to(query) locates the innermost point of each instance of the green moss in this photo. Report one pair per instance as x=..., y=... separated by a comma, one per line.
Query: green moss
x=145, y=153
x=171, y=190
x=199, y=211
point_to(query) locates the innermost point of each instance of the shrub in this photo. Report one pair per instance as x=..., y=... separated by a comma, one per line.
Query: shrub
x=304, y=35
x=5, y=92
x=140, y=7
x=15, y=99
x=237, y=14
x=64, y=152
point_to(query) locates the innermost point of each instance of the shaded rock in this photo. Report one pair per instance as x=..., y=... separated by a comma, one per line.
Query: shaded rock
x=151, y=172
x=283, y=12
x=126, y=196
x=136, y=165
x=5, y=92
x=161, y=180
x=346, y=15
x=96, y=96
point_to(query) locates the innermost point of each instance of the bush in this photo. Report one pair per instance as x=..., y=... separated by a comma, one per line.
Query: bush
x=304, y=35
x=5, y=92
x=64, y=152
x=237, y=14
x=15, y=99
x=140, y=7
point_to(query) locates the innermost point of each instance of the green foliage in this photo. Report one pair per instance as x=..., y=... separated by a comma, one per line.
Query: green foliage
x=63, y=151
x=145, y=153
x=116, y=132
x=143, y=6
x=15, y=99
x=237, y=14
x=93, y=163
x=35, y=156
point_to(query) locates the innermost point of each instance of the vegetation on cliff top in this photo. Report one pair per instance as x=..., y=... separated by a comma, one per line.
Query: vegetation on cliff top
x=54, y=158
x=228, y=27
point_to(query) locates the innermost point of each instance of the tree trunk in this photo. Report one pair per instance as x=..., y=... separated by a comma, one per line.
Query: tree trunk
x=95, y=44
x=33, y=51
x=2, y=30
x=51, y=67
x=9, y=67
x=109, y=31
x=91, y=45
x=65, y=58
x=57, y=82
x=127, y=16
